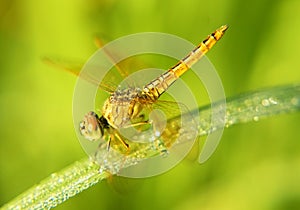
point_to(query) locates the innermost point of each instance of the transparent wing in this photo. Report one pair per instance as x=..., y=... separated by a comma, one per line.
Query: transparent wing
x=112, y=78
x=180, y=126
x=172, y=133
x=75, y=68
x=168, y=122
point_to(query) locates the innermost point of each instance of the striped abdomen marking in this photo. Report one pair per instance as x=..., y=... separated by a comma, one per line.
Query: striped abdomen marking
x=159, y=85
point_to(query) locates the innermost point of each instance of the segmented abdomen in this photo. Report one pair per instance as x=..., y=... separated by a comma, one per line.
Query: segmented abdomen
x=158, y=86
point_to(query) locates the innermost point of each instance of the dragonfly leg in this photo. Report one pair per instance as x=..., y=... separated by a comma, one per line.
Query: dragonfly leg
x=108, y=144
x=126, y=146
x=137, y=124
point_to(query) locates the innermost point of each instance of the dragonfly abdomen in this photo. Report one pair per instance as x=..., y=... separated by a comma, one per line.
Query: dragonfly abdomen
x=155, y=88
x=158, y=86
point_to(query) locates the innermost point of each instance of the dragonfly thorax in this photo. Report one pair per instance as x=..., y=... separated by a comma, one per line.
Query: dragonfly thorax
x=122, y=106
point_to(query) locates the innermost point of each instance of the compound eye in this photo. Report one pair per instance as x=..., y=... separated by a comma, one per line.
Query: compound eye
x=89, y=127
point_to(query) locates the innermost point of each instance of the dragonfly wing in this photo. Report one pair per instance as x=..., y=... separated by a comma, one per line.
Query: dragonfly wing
x=173, y=142
x=75, y=69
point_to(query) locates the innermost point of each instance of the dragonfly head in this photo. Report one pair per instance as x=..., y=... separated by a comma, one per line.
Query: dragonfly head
x=91, y=127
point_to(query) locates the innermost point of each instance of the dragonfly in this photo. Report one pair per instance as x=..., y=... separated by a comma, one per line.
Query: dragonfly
x=130, y=107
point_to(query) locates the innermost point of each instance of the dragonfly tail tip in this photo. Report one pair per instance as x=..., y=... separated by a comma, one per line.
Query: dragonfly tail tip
x=224, y=28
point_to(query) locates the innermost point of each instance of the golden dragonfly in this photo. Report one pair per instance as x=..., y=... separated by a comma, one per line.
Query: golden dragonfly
x=126, y=107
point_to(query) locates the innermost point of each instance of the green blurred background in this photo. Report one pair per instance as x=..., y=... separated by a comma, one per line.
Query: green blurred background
x=256, y=166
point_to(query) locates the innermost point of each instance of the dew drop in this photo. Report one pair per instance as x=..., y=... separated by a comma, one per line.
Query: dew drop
x=295, y=101
x=157, y=133
x=255, y=118
x=273, y=101
x=265, y=102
